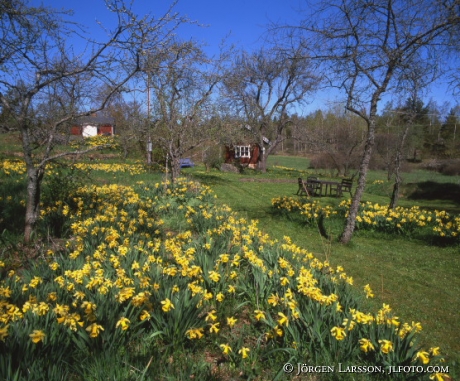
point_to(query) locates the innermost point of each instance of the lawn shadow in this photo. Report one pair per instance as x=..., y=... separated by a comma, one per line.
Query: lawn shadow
x=431, y=190
x=209, y=180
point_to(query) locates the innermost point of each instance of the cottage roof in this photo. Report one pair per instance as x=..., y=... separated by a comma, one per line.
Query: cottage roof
x=95, y=120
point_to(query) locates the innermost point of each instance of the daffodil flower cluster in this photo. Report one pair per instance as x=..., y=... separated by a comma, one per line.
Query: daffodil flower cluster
x=132, y=169
x=96, y=141
x=9, y=167
x=373, y=216
x=292, y=171
x=404, y=220
x=170, y=262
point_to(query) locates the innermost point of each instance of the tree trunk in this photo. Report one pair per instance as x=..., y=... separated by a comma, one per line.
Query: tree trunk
x=34, y=179
x=398, y=180
x=263, y=162
x=362, y=174
x=175, y=168
x=395, y=194
x=264, y=153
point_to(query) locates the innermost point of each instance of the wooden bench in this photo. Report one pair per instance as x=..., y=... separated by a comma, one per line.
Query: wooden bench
x=345, y=186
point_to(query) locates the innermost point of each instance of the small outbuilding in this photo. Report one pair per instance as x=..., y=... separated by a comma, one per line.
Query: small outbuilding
x=93, y=125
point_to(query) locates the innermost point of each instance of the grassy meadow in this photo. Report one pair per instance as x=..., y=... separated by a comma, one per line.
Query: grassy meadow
x=123, y=259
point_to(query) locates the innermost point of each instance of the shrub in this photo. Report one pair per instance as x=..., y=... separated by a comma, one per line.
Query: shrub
x=213, y=158
x=336, y=162
x=451, y=167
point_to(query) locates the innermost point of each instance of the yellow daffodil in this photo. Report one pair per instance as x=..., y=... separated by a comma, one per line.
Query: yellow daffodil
x=244, y=352
x=220, y=297
x=37, y=336
x=123, y=323
x=439, y=376
x=94, y=330
x=284, y=281
x=274, y=299
x=386, y=346
x=145, y=315
x=349, y=323
x=207, y=296
x=278, y=331
x=366, y=345
x=214, y=328
x=4, y=332
x=195, y=333
x=283, y=320
x=79, y=295
x=423, y=356
x=226, y=349
x=339, y=333
x=368, y=291
x=52, y=296
x=214, y=276
x=211, y=316
x=231, y=321
x=416, y=326
x=88, y=307
x=259, y=314
x=167, y=305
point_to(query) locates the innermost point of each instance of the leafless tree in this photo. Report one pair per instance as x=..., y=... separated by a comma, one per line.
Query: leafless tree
x=264, y=87
x=38, y=61
x=367, y=48
x=183, y=82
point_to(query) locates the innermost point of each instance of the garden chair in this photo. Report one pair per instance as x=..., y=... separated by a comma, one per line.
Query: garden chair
x=302, y=188
x=345, y=186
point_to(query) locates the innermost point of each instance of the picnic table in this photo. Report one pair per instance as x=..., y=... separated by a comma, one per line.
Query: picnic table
x=329, y=186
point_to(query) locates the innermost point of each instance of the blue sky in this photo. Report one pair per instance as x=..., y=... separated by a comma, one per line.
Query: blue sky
x=244, y=21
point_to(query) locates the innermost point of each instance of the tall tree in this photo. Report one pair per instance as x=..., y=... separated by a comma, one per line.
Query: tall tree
x=38, y=61
x=450, y=126
x=449, y=134
x=367, y=48
x=264, y=86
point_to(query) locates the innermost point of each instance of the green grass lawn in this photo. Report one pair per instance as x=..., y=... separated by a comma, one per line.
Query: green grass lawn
x=419, y=281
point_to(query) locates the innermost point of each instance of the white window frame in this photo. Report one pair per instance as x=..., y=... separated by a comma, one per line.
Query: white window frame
x=242, y=152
